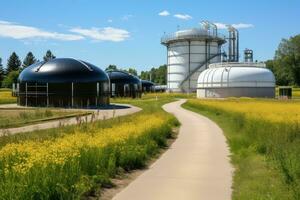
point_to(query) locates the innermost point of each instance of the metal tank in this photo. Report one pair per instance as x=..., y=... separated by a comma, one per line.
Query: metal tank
x=188, y=53
x=223, y=80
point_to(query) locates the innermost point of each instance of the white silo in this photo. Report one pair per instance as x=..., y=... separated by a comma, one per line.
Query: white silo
x=189, y=53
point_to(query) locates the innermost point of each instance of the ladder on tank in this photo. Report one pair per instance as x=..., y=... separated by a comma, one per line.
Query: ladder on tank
x=197, y=68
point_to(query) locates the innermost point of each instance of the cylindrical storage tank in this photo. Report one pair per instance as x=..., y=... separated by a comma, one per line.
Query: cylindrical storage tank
x=188, y=53
x=123, y=84
x=223, y=80
x=63, y=82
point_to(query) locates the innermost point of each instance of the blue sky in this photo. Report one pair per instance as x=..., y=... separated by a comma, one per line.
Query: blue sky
x=127, y=33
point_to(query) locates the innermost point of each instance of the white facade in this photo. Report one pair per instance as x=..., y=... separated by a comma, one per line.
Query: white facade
x=236, y=79
x=188, y=53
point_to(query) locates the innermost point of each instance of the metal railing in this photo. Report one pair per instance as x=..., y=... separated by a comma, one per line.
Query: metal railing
x=203, y=34
x=236, y=64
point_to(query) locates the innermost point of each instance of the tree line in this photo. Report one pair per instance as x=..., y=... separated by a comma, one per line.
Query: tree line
x=156, y=75
x=286, y=62
x=9, y=75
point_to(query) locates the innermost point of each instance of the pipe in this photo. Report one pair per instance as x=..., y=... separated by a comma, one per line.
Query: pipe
x=237, y=45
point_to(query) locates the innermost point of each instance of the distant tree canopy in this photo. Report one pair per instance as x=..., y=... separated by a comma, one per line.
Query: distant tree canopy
x=13, y=63
x=131, y=71
x=29, y=60
x=111, y=67
x=49, y=56
x=10, y=79
x=286, y=63
x=2, y=72
x=156, y=75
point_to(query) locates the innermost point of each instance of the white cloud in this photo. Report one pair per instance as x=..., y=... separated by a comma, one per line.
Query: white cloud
x=183, y=16
x=103, y=34
x=109, y=20
x=241, y=25
x=237, y=26
x=16, y=31
x=164, y=13
x=221, y=25
x=126, y=17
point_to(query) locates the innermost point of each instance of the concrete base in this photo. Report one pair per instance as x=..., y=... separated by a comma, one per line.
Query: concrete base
x=263, y=92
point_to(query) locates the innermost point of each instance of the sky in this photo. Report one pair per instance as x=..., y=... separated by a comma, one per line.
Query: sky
x=127, y=32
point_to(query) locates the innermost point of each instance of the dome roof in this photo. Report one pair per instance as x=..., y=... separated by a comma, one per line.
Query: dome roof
x=147, y=83
x=62, y=70
x=236, y=75
x=116, y=76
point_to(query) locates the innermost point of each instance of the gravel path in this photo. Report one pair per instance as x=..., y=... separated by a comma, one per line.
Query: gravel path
x=196, y=167
x=121, y=110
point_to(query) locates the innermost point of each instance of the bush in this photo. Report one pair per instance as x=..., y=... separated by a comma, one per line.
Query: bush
x=11, y=78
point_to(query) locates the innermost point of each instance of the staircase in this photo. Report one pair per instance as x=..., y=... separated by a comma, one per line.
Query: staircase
x=185, y=80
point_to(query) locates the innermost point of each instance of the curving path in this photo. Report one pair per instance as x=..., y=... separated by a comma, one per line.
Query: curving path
x=99, y=115
x=195, y=167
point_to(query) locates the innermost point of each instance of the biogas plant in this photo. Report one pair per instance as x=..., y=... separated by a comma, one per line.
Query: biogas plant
x=197, y=62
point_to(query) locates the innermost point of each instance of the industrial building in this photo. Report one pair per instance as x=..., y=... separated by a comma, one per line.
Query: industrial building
x=123, y=84
x=189, y=52
x=62, y=82
x=196, y=61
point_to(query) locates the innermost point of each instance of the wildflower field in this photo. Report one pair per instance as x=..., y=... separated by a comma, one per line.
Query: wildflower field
x=16, y=117
x=5, y=97
x=74, y=161
x=264, y=138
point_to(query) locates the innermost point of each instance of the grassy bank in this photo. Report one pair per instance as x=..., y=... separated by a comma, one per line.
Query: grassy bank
x=71, y=162
x=264, y=139
x=20, y=117
x=5, y=97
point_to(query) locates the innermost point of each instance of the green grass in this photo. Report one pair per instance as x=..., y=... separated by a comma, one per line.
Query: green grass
x=20, y=117
x=79, y=178
x=265, y=154
x=5, y=96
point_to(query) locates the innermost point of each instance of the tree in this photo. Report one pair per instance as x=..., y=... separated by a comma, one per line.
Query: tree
x=2, y=72
x=29, y=60
x=111, y=67
x=132, y=71
x=49, y=56
x=13, y=63
x=156, y=75
x=286, y=63
x=11, y=78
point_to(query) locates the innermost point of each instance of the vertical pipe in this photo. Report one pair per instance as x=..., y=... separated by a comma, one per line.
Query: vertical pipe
x=237, y=45
x=233, y=46
x=36, y=93
x=26, y=94
x=97, y=93
x=229, y=46
x=189, y=66
x=72, y=94
x=168, y=69
x=205, y=54
x=47, y=94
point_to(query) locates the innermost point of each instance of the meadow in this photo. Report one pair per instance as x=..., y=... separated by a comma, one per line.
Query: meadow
x=5, y=96
x=72, y=162
x=264, y=139
x=16, y=117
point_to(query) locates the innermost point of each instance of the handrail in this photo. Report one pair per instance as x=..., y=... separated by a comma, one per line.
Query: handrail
x=197, y=68
x=175, y=36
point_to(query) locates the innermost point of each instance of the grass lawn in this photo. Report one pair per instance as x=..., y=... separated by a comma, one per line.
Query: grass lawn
x=5, y=96
x=74, y=161
x=20, y=117
x=264, y=139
